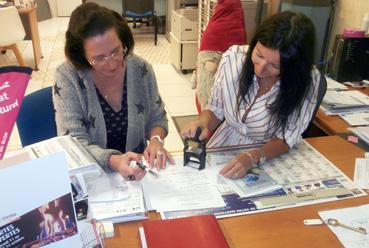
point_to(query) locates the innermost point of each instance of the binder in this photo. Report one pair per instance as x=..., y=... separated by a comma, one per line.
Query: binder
x=197, y=231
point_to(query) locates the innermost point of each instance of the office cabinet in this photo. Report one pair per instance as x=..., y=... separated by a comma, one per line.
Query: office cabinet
x=183, y=54
x=185, y=24
x=183, y=39
x=173, y=5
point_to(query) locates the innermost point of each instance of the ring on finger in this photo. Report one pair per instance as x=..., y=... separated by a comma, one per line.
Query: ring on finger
x=159, y=153
x=236, y=174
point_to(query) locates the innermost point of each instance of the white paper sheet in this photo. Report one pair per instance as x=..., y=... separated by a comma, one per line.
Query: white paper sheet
x=181, y=188
x=107, y=188
x=356, y=119
x=361, y=175
x=355, y=216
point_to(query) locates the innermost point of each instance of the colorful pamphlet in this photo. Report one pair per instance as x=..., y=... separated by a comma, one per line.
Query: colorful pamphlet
x=37, y=206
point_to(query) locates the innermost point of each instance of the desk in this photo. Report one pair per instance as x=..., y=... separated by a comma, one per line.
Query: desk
x=30, y=13
x=330, y=124
x=282, y=228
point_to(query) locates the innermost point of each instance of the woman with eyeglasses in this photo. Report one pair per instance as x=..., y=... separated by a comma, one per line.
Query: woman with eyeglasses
x=107, y=97
x=264, y=93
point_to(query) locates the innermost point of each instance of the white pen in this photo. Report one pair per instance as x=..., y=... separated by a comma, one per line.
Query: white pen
x=145, y=168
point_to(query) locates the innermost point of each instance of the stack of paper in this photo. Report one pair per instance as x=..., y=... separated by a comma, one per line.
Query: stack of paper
x=334, y=85
x=112, y=198
x=78, y=158
x=340, y=102
x=356, y=119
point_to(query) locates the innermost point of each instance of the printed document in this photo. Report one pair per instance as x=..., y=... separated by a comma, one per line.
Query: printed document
x=356, y=217
x=181, y=187
x=107, y=188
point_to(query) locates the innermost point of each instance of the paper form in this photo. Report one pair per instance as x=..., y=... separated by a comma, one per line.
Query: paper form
x=119, y=209
x=106, y=188
x=181, y=188
x=355, y=216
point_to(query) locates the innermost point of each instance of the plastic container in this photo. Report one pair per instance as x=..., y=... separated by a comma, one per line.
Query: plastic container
x=353, y=33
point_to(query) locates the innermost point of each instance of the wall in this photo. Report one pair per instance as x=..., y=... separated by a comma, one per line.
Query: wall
x=349, y=13
x=116, y=5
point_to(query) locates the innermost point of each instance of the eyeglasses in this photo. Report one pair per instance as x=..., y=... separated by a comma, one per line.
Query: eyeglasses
x=103, y=59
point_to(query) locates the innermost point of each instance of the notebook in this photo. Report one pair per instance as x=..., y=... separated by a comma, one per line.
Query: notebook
x=197, y=231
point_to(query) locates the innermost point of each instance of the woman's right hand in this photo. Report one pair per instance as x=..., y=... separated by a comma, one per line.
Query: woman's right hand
x=120, y=164
x=189, y=130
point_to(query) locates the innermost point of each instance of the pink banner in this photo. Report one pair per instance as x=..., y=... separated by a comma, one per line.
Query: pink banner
x=13, y=84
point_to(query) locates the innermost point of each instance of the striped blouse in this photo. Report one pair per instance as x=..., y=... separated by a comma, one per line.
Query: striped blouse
x=223, y=103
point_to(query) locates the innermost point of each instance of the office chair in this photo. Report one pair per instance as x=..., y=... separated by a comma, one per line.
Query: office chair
x=141, y=11
x=11, y=34
x=321, y=93
x=36, y=118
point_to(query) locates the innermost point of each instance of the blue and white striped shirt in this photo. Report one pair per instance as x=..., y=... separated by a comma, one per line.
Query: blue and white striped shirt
x=223, y=103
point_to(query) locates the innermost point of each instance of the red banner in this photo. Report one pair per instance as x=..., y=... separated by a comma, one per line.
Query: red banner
x=13, y=84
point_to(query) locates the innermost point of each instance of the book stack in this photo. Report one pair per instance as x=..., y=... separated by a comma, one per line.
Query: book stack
x=79, y=160
x=111, y=198
x=198, y=231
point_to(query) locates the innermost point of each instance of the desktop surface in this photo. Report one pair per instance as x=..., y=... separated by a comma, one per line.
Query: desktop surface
x=281, y=228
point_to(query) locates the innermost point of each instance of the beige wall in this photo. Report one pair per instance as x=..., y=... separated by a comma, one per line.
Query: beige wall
x=349, y=13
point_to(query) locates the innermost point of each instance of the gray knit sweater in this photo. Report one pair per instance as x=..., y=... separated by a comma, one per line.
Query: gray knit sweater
x=78, y=111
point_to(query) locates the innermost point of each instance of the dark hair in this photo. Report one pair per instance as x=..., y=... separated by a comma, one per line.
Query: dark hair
x=88, y=20
x=293, y=35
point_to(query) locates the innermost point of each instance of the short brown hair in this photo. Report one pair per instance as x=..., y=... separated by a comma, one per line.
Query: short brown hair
x=88, y=20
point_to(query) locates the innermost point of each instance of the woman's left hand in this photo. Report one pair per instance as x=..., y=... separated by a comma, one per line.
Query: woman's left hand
x=157, y=155
x=237, y=167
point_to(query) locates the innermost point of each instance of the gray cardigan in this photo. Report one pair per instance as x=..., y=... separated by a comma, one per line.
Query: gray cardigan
x=78, y=111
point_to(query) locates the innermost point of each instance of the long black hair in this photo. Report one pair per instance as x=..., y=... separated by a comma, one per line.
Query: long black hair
x=88, y=20
x=293, y=35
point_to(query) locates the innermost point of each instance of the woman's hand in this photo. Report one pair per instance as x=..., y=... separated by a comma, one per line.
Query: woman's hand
x=189, y=130
x=237, y=167
x=120, y=164
x=157, y=155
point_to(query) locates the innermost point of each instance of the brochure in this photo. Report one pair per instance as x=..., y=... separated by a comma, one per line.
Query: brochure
x=37, y=207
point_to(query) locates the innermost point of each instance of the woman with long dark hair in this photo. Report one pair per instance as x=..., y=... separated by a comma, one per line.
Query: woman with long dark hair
x=263, y=93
